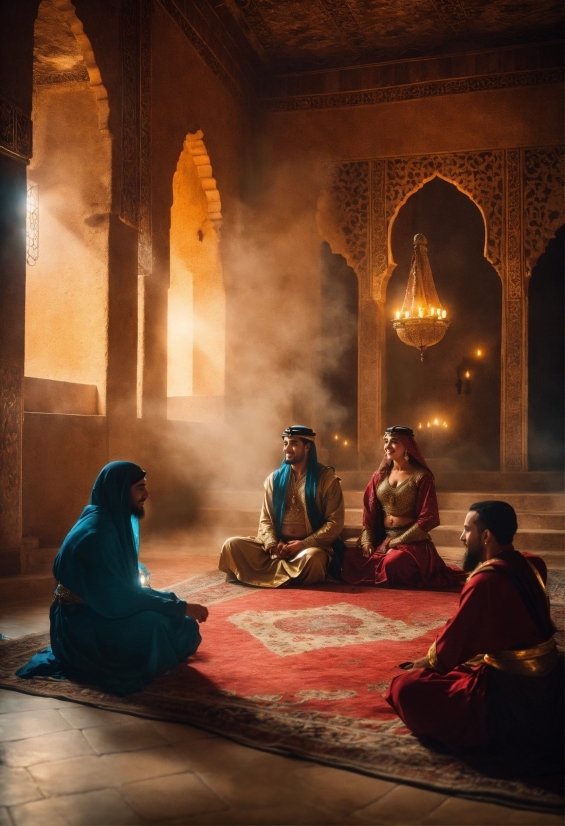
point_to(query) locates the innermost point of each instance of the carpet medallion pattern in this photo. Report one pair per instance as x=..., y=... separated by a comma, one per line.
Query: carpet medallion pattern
x=304, y=672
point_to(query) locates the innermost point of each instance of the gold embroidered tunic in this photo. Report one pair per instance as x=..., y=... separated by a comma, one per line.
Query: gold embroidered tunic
x=249, y=560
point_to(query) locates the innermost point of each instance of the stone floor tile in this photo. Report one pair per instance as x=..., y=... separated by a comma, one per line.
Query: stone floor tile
x=474, y=813
x=118, y=737
x=255, y=786
x=142, y=765
x=88, y=717
x=172, y=796
x=16, y=786
x=340, y=790
x=101, y=808
x=268, y=784
x=83, y=774
x=18, y=725
x=5, y=819
x=179, y=732
x=11, y=701
x=54, y=746
x=403, y=804
x=290, y=813
x=218, y=754
x=79, y=774
x=471, y=812
x=525, y=818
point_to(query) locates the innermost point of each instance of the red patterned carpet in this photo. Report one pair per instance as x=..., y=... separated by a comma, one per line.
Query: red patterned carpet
x=304, y=672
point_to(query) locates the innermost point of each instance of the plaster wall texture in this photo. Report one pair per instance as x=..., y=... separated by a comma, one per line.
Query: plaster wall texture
x=528, y=116
x=62, y=457
x=186, y=97
x=295, y=144
x=67, y=288
x=196, y=319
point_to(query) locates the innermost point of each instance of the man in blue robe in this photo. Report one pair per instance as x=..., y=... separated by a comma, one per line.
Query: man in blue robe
x=106, y=628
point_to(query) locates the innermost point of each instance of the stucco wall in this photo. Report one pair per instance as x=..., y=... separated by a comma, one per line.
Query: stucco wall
x=67, y=288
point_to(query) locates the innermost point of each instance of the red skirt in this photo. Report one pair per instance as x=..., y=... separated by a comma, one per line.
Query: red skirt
x=416, y=565
x=450, y=708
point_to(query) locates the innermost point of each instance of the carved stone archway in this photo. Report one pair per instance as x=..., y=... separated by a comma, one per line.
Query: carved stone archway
x=520, y=195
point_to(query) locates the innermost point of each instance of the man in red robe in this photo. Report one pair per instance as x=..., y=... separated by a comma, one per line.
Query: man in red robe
x=493, y=677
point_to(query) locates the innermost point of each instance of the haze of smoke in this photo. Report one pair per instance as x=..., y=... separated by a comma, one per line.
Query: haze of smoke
x=273, y=364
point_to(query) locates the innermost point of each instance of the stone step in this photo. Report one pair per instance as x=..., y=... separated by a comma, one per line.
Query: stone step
x=456, y=518
x=529, y=502
x=40, y=560
x=454, y=556
x=463, y=480
x=526, y=540
x=249, y=517
x=26, y=586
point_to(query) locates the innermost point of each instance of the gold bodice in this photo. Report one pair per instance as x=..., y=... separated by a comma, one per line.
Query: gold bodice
x=401, y=500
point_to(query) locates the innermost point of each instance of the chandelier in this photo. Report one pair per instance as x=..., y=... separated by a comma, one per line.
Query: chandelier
x=422, y=321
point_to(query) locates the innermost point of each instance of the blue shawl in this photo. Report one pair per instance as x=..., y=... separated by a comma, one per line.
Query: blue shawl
x=281, y=478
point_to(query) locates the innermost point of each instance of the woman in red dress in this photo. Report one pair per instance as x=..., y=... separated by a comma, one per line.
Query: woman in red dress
x=395, y=549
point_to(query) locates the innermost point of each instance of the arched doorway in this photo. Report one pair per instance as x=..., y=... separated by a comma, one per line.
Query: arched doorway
x=70, y=171
x=469, y=287
x=338, y=358
x=546, y=408
x=196, y=313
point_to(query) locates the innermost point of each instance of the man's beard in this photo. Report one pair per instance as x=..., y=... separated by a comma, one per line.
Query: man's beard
x=471, y=559
x=138, y=510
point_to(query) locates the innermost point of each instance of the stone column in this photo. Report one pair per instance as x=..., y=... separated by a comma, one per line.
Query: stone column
x=372, y=387
x=514, y=372
x=12, y=340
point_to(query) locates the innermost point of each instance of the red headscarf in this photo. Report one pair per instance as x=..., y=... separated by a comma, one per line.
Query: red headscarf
x=410, y=445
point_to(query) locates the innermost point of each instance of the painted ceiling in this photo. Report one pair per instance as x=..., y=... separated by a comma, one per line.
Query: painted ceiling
x=298, y=35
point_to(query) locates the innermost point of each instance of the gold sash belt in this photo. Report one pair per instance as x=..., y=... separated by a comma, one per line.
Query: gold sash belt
x=531, y=662
x=66, y=597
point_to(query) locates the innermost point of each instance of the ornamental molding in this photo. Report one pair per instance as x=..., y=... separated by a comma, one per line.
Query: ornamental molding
x=544, y=200
x=344, y=215
x=412, y=91
x=514, y=400
x=520, y=192
x=78, y=75
x=479, y=175
x=15, y=131
x=194, y=144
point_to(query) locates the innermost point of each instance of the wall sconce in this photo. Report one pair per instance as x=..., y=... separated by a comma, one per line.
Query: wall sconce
x=32, y=223
x=464, y=376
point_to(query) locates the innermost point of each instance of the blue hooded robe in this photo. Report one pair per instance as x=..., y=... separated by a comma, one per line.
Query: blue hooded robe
x=122, y=635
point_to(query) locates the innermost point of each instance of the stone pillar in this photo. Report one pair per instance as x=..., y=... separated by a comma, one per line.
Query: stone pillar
x=371, y=376
x=12, y=327
x=514, y=355
x=514, y=398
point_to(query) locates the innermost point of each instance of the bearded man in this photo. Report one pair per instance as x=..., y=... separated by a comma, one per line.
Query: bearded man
x=106, y=628
x=301, y=521
x=493, y=678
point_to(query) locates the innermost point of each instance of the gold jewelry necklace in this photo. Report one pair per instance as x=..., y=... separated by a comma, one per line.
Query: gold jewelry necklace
x=293, y=487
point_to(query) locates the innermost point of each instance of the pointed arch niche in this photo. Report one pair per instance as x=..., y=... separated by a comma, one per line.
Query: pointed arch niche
x=67, y=286
x=470, y=288
x=519, y=193
x=196, y=312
